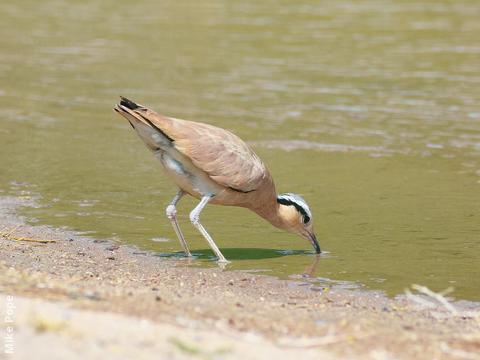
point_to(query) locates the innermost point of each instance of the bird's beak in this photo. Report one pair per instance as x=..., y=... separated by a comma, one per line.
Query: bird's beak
x=314, y=241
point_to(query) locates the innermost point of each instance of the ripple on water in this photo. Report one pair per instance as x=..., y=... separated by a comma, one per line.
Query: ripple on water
x=289, y=145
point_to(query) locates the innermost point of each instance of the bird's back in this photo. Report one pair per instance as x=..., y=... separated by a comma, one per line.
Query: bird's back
x=226, y=159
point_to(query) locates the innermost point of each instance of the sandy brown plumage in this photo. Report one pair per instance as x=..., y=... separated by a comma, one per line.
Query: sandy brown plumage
x=211, y=164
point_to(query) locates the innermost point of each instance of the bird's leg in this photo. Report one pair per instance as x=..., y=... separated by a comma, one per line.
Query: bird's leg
x=172, y=216
x=195, y=219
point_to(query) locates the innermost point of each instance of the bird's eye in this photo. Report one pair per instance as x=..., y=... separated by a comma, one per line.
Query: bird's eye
x=305, y=219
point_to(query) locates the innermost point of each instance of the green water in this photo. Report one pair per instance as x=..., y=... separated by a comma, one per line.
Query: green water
x=370, y=110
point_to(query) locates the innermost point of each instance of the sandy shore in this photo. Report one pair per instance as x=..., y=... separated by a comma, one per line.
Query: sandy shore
x=77, y=298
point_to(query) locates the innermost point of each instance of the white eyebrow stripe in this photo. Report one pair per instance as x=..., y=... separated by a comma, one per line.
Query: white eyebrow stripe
x=295, y=199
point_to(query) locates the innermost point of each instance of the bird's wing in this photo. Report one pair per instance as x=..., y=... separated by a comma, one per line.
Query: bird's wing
x=222, y=155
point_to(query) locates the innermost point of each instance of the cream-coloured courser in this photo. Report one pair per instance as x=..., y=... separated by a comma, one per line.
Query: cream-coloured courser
x=215, y=166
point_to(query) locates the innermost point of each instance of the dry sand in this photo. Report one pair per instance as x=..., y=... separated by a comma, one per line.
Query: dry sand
x=77, y=298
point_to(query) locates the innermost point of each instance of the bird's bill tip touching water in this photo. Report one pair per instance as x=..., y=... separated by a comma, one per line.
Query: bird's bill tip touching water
x=314, y=241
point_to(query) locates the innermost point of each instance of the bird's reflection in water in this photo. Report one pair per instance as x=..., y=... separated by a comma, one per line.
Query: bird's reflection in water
x=310, y=269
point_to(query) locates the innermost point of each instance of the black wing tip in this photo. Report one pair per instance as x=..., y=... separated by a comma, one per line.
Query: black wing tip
x=128, y=103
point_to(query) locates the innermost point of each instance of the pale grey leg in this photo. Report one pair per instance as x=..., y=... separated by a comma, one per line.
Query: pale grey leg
x=195, y=219
x=172, y=216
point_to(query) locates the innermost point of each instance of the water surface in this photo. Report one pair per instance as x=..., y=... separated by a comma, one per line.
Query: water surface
x=369, y=110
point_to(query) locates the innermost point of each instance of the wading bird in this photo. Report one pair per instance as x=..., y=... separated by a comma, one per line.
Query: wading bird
x=215, y=166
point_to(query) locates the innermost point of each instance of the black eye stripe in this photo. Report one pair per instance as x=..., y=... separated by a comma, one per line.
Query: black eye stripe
x=299, y=208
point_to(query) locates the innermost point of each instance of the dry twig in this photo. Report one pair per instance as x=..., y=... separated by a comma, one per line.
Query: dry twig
x=437, y=296
x=8, y=235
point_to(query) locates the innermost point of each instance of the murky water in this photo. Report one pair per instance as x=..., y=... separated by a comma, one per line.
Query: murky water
x=368, y=109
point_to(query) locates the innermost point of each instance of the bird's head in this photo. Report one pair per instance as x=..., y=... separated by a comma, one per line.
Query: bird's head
x=297, y=218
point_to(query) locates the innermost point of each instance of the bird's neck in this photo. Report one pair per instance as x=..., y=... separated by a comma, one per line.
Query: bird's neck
x=276, y=214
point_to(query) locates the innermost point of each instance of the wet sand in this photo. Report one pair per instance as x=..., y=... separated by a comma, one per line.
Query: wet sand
x=75, y=297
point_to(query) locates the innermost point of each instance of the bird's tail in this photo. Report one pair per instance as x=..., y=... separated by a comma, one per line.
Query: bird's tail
x=147, y=123
x=129, y=104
